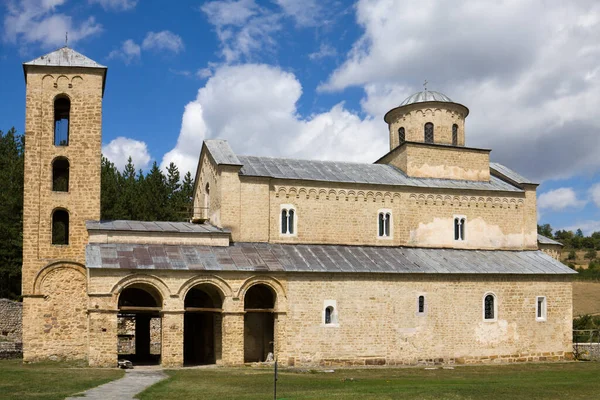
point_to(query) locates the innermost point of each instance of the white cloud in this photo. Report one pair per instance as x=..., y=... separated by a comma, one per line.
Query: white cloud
x=324, y=51
x=588, y=227
x=38, y=22
x=129, y=52
x=306, y=12
x=164, y=40
x=120, y=149
x=532, y=88
x=262, y=119
x=595, y=194
x=116, y=5
x=560, y=199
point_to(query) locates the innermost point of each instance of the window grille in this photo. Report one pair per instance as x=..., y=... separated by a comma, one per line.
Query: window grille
x=455, y=135
x=401, y=135
x=421, y=304
x=489, y=310
x=429, y=132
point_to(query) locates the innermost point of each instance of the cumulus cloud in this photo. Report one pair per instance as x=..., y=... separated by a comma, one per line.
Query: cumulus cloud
x=532, y=88
x=262, y=119
x=120, y=149
x=116, y=5
x=595, y=194
x=128, y=52
x=163, y=41
x=560, y=199
x=39, y=22
x=587, y=226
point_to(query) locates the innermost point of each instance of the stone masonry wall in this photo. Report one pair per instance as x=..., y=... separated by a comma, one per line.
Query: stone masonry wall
x=11, y=321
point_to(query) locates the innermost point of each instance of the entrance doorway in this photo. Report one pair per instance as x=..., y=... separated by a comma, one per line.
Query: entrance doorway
x=202, y=325
x=139, y=325
x=259, y=323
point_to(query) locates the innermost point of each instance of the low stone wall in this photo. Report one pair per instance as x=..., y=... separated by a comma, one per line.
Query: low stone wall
x=587, y=351
x=11, y=329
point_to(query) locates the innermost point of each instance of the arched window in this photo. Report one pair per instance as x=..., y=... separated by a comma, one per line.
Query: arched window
x=60, y=174
x=206, y=201
x=421, y=304
x=429, y=132
x=460, y=223
x=489, y=307
x=384, y=222
x=401, y=135
x=288, y=215
x=62, y=113
x=60, y=227
x=328, y=315
x=455, y=135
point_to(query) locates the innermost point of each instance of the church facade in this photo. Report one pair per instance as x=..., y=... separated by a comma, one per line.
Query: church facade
x=430, y=254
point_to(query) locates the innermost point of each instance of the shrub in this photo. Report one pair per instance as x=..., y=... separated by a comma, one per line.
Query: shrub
x=572, y=255
x=590, y=254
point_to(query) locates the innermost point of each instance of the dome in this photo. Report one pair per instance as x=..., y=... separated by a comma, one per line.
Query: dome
x=426, y=95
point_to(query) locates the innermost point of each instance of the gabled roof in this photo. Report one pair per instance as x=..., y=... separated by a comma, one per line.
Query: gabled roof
x=508, y=173
x=64, y=57
x=267, y=257
x=546, y=240
x=221, y=152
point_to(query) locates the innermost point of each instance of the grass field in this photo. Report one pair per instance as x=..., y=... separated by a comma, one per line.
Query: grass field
x=586, y=298
x=524, y=381
x=49, y=381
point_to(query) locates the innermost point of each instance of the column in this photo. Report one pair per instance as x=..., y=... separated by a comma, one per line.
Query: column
x=172, y=338
x=102, y=351
x=233, y=338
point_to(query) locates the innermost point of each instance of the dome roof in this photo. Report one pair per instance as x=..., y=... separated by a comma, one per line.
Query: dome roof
x=426, y=95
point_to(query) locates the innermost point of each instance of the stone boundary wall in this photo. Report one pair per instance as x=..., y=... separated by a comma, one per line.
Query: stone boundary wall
x=587, y=351
x=11, y=329
x=10, y=350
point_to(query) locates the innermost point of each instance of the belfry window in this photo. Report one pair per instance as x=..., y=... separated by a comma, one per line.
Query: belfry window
x=455, y=135
x=401, y=135
x=459, y=228
x=489, y=307
x=62, y=113
x=429, y=132
x=384, y=222
x=60, y=175
x=60, y=227
x=288, y=220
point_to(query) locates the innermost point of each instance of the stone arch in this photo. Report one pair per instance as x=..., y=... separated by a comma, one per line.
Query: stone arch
x=41, y=275
x=274, y=284
x=216, y=281
x=150, y=280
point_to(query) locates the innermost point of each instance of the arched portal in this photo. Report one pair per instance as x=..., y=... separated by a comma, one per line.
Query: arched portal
x=202, y=325
x=139, y=324
x=259, y=323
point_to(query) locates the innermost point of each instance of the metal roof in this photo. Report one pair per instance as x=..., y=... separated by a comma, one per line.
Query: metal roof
x=266, y=257
x=510, y=174
x=152, y=226
x=221, y=152
x=346, y=172
x=425, y=95
x=65, y=57
x=546, y=240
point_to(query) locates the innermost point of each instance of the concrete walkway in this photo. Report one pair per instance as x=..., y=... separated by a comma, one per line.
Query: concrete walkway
x=125, y=388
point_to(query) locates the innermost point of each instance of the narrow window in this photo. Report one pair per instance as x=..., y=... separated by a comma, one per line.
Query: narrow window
x=421, y=304
x=429, y=132
x=459, y=228
x=401, y=135
x=60, y=174
x=284, y=220
x=489, y=307
x=384, y=222
x=62, y=111
x=288, y=223
x=328, y=315
x=540, y=312
x=60, y=227
x=455, y=135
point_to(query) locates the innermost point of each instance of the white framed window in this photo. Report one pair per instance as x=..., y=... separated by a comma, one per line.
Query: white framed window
x=288, y=220
x=330, y=313
x=384, y=224
x=540, y=308
x=460, y=227
x=490, y=307
x=421, y=305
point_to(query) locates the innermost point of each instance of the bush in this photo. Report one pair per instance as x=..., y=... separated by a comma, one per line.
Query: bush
x=572, y=255
x=590, y=254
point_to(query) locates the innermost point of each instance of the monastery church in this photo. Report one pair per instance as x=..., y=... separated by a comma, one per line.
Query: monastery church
x=429, y=254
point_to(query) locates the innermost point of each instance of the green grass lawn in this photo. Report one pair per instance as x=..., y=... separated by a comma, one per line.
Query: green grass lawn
x=49, y=380
x=575, y=380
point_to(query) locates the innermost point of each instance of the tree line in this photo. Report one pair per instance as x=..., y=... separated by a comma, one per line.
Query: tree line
x=128, y=194
x=571, y=240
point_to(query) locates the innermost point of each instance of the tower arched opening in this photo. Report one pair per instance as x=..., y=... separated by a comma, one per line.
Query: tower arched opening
x=60, y=174
x=202, y=325
x=62, y=116
x=259, y=323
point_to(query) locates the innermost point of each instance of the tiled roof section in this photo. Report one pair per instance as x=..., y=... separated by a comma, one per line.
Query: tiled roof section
x=221, y=152
x=266, y=257
x=509, y=173
x=65, y=57
x=546, y=240
x=152, y=226
x=346, y=172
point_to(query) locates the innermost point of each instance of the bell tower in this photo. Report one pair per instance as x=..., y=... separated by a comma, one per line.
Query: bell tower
x=63, y=136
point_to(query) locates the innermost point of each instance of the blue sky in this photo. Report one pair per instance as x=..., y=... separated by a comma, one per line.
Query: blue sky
x=313, y=79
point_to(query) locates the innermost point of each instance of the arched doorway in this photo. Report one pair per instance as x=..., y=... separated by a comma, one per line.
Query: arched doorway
x=139, y=327
x=259, y=323
x=202, y=335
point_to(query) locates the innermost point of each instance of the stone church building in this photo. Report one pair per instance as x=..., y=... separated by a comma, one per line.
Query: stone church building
x=429, y=254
